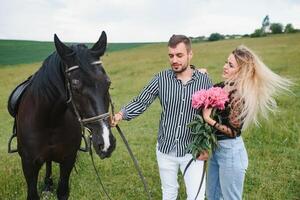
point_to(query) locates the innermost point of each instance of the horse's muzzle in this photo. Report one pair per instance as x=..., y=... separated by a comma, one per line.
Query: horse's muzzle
x=99, y=144
x=107, y=154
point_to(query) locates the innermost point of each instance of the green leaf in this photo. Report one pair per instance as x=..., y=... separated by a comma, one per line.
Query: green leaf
x=204, y=138
x=192, y=123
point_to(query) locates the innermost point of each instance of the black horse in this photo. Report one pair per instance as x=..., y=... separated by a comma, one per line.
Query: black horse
x=69, y=92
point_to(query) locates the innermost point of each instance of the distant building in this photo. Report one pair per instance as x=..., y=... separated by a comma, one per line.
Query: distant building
x=266, y=25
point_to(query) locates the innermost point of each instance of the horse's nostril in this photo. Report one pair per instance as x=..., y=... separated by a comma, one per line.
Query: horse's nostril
x=101, y=146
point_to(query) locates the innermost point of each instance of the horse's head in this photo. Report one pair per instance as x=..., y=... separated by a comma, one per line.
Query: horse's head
x=88, y=88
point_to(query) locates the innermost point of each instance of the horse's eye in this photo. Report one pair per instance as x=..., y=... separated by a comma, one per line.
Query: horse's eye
x=75, y=83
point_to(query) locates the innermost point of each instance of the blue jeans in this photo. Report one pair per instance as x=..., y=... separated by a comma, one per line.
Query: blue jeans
x=226, y=170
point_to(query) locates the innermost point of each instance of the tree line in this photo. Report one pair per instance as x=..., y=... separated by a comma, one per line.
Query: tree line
x=266, y=29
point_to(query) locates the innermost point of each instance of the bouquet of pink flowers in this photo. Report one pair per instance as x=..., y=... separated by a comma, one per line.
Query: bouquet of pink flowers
x=204, y=137
x=214, y=97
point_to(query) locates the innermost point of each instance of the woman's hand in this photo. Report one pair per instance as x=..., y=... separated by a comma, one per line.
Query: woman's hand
x=206, y=112
x=203, y=156
x=203, y=70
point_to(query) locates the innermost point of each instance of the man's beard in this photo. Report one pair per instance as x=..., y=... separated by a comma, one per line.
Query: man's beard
x=184, y=68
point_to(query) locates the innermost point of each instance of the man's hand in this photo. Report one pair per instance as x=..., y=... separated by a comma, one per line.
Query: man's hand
x=203, y=156
x=116, y=119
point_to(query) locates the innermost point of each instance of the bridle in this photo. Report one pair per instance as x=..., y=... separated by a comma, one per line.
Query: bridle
x=101, y=117
x=82, y=121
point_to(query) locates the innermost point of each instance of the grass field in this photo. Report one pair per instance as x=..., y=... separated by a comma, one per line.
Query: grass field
x=19, y=52
x=274, y=148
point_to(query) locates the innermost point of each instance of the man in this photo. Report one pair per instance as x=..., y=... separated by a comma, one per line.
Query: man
x=174, y=88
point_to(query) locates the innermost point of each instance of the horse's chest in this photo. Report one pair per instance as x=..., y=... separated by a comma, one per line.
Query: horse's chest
x=59, y=145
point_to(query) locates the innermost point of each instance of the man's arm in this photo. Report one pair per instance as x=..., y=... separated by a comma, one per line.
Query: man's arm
x=139, y=104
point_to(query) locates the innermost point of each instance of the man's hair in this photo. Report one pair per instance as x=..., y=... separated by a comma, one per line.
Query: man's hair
x=176, y=39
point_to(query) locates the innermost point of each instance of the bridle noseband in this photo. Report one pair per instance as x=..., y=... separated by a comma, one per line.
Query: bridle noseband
x=82, y=121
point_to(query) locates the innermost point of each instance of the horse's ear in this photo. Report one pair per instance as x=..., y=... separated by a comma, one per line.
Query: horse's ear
x=100, y=46
x=63, y=50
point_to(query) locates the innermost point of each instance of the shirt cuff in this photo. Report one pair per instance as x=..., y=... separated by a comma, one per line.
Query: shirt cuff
x=125, y=114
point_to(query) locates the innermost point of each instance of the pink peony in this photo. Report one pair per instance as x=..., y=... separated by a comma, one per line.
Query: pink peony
x=214, y=97
x=198, y=98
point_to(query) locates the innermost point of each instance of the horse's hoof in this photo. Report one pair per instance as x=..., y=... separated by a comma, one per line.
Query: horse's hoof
x=47, y=189
x=47, y=195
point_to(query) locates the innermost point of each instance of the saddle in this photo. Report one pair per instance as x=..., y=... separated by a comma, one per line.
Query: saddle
x=16, y=96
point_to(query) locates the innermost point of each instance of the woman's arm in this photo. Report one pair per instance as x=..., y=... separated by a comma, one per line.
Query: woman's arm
x=206, y=112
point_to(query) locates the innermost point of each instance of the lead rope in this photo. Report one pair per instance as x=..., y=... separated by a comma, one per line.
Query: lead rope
x=136, y=165
x=203, y=174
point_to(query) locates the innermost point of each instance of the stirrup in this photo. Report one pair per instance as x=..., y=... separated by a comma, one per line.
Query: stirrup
x=10, y=150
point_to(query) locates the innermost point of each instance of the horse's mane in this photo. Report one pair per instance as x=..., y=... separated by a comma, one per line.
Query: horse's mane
x=49, y=81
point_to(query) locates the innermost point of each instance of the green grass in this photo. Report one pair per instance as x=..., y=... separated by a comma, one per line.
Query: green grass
x=19, y=52
x=274, y=159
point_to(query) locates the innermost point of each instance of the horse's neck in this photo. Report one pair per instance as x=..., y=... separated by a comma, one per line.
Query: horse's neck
x=50, y=107
x=49, y=81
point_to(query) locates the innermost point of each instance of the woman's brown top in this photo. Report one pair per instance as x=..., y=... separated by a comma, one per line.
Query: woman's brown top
x=228, y=124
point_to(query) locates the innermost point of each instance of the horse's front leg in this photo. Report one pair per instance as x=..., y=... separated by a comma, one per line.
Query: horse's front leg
x=48, y=179
x=65, y=171
x=31, y=172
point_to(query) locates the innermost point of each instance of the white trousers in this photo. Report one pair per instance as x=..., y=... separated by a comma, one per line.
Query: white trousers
x=169, y=165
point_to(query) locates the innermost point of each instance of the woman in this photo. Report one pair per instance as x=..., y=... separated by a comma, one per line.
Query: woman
x=251, y=86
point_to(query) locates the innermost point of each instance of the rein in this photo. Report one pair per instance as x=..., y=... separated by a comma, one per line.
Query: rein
x=97, y=172
x=100, y=118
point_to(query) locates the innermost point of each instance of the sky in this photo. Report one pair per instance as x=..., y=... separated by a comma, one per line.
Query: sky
x=138, y=20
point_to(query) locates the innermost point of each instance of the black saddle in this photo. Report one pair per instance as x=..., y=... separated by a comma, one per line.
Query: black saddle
x=15, y=97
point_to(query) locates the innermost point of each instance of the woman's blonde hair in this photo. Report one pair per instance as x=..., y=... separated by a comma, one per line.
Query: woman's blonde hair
x=257, y=86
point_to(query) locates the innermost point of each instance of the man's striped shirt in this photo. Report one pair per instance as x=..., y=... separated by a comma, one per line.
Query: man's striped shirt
x=176, y=102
